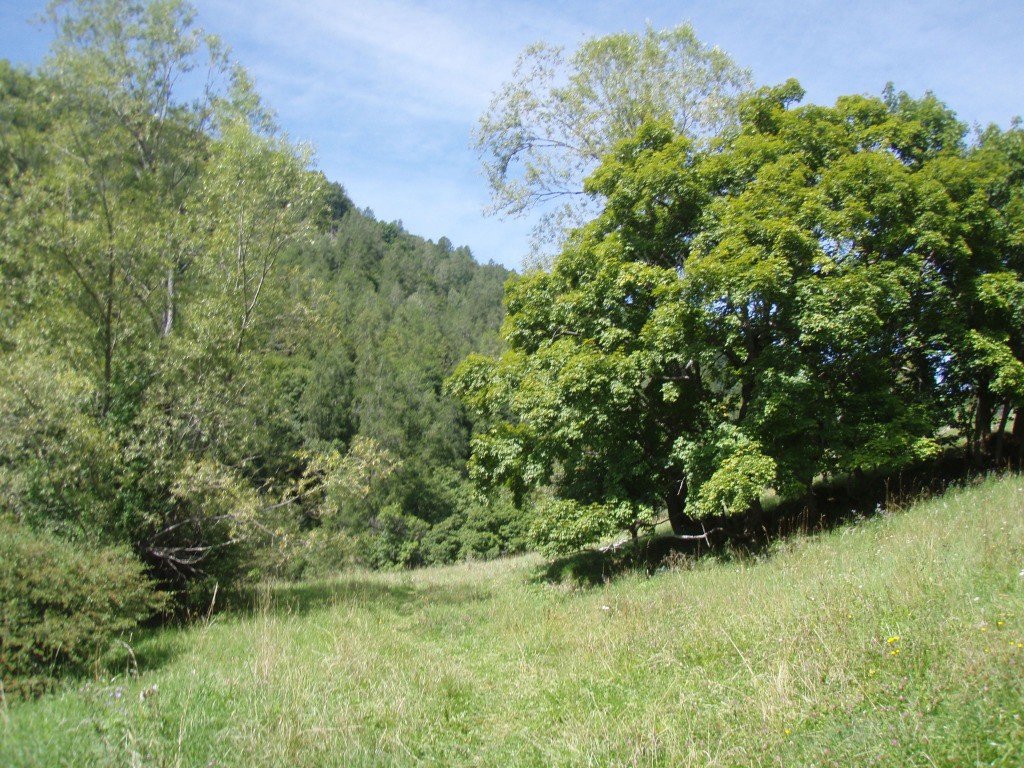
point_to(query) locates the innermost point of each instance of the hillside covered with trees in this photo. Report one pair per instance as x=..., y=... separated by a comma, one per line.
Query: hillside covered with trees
x=212, y=364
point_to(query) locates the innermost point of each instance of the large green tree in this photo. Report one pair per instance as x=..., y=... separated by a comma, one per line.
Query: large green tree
x=144, y=222
x=818, y=293
x=123, y=153
x=986, y=378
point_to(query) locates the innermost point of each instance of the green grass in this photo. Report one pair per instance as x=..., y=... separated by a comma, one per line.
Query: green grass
x=895, y=641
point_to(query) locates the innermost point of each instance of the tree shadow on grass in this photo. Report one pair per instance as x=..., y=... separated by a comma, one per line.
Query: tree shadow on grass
x=829, y=505
x=301, y=598
x=155, y=648
x=592, y=567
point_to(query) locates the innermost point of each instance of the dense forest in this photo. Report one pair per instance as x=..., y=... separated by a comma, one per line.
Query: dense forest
x=213, y=366
x=216, y=368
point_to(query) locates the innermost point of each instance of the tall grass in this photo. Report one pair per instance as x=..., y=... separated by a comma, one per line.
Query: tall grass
x=894, y=641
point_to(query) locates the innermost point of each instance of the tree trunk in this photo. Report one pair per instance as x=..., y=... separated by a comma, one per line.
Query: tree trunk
x=169, y=313
x=1018, y=432
x=746, y=394
x=982, y=422
x=108, y=343
x=998, y=451
x=677, y=517
x=754, y=525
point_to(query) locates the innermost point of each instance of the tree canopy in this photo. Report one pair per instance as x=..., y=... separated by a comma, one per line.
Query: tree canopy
x=558, y=116
x=826, y=290
x=208, y=356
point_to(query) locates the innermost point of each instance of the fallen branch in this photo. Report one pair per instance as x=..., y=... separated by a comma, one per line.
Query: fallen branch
x=705, y=536
x=616, y=545
x=694, y=536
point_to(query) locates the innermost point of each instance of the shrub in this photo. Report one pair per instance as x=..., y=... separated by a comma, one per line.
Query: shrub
x=443, y=543
x=482, y=529
x=63, y=605
x=493, y=528
x=395, y=540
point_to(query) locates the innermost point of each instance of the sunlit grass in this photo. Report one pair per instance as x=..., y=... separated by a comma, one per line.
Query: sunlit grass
x=895, y=641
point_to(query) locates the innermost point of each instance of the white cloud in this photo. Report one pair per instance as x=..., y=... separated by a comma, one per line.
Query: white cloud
x=433, y=61
x=389, y=92
x=436, y=58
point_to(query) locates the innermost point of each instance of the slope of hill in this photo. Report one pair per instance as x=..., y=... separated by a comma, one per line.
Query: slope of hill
x=897, y=640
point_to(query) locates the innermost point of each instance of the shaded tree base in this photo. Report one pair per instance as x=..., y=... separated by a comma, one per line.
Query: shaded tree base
x=829, y=505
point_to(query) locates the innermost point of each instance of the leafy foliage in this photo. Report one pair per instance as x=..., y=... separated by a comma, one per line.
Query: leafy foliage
x=393, y=314
x=207, y=354
x=62, y=606
x=827, y=290
x=558, y=117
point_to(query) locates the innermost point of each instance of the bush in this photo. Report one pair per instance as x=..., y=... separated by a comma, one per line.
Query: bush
x=494, y=528
x=481, y=529
x=63, y=605
x=395, y=540
x=443, y=543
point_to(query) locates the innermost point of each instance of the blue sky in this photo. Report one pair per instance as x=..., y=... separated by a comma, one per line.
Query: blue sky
x=388, y=91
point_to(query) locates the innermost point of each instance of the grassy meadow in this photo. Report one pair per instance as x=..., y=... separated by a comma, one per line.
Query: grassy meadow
x=897, y=640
